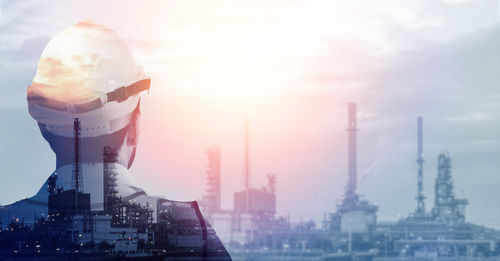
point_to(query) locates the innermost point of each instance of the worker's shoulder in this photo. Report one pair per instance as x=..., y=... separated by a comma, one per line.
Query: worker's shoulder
x=25, y=210
x=26, y=204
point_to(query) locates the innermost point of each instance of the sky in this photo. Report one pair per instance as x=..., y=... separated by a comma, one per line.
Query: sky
x=291, y=67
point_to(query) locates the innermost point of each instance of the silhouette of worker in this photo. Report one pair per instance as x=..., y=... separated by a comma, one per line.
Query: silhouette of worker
x=88, y=72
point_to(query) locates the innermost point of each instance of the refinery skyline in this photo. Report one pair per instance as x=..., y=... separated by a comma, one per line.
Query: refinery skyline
x=402, y=61
x=371, y=167
x=321, y=183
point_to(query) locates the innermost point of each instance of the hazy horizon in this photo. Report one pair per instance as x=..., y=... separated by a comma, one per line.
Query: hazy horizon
x=291, y=67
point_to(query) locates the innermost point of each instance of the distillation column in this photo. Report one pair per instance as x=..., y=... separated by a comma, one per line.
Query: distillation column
x=420, y=161
x=77, y=166
x=213, y=196
x=110, y=191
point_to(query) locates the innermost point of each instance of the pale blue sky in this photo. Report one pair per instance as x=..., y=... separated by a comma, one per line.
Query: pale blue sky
x=291, y=66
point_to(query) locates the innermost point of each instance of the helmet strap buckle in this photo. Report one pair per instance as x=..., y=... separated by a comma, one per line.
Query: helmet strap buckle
x=121, y=94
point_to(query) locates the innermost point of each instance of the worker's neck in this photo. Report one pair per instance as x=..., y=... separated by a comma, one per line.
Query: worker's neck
x=85, y=158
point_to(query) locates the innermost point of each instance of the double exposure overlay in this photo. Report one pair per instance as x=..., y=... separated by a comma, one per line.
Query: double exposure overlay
x=250, y=130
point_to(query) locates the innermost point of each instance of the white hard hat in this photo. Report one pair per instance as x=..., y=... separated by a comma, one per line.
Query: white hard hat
x=88, y=72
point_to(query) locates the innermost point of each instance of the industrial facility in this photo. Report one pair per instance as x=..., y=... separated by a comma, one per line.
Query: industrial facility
x=160, y=229
x=252, y=230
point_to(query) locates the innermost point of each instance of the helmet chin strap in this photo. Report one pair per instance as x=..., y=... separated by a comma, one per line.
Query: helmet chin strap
x=119, y=95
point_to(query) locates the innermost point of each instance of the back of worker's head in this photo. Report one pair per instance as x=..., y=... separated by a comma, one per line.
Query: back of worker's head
x=88, y=72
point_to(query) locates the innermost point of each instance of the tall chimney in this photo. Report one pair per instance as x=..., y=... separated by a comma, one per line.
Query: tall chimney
x=77, y=168
x=247, y=154
x=352, y=129
x=420, y=161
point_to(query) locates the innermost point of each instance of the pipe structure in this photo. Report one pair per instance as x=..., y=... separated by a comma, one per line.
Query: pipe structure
x=352, y=149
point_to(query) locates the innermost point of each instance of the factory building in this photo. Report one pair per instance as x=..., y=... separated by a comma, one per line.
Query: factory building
x=252, y=228
x=253, y=208
x=252, y=200
x=440, y=233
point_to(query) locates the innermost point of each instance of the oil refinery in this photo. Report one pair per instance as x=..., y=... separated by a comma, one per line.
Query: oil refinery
x=252, y=229
x=160, y=229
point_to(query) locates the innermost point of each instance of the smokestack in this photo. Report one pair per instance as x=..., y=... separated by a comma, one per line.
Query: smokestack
x=420, y=161
x=247, y=154
x=77, y=168
x=352, y=129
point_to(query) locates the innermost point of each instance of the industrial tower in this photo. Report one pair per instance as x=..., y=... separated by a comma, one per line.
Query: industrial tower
x=420, y=212
x=70, y=201
x=76, y=182
x=253, y=200
x=213, y=193
x=354, y=216
x=352, y=153
x=110, y=191
x=247, y=154
x=446, y=207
